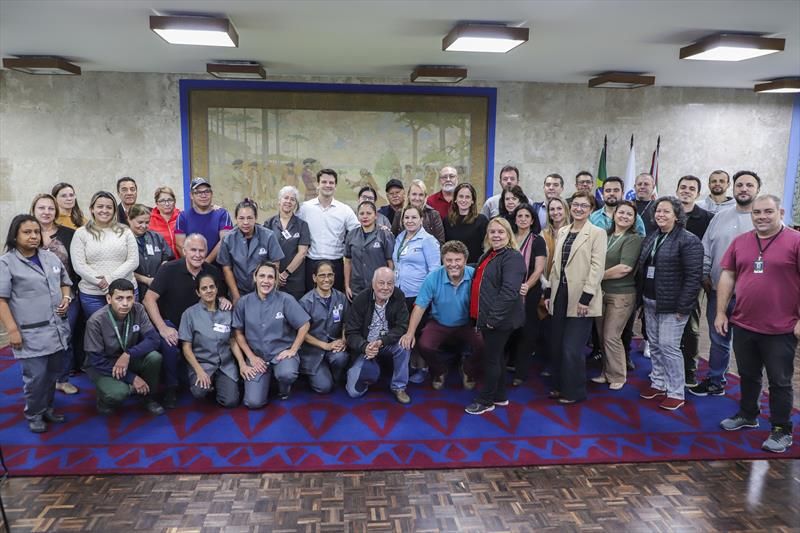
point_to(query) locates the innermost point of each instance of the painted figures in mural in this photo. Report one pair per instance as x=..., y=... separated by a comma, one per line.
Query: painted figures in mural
x=255, y=152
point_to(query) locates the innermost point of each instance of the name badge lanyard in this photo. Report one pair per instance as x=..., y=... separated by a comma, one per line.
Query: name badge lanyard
x=758, y=264
x=123, y=341
x=403, y=245
x=651, y=270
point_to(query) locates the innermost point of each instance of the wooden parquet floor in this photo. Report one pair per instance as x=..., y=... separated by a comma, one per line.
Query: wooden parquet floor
x=657, y=497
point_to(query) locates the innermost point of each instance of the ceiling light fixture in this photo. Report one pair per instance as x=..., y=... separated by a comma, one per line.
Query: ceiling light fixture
x=732, y=47
x=484, y=38
x=51, y=65
x=621, y=80
x=195, y=30
x=438, y=74
x=783, y=85
x=236, y=70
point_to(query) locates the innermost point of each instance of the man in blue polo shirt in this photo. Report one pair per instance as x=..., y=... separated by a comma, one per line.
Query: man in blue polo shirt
x=446, y=290
x=203, y=218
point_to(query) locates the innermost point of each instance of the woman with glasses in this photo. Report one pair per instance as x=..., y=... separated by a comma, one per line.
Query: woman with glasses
x=574, y=298
x=101, y=251
x=69, y=212
x=164, y=216
x=294, y=239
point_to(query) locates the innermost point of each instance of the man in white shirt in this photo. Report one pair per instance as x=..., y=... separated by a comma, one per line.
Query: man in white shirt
x=718, y=183
x=509, y=176
x=328, y=221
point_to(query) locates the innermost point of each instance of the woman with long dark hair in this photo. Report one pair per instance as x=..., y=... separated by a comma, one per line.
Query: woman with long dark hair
x=70, y=214
x=34, y=299
x=510, y=199
x=464, y=223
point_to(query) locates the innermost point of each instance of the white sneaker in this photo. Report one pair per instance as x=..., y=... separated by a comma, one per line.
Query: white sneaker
x=646, y=349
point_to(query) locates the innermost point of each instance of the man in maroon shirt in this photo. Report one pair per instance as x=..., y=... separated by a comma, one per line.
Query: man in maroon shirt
x=763, y=266
x=448, y=179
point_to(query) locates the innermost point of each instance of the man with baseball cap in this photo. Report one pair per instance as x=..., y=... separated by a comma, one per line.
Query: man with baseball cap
x=396, y=195
x=203, y=218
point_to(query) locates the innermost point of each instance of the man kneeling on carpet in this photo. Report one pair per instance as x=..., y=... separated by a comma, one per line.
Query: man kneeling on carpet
x=269, y=326
x=209, y=347
x=121, y=345
x=447, y=291
x=377, y=319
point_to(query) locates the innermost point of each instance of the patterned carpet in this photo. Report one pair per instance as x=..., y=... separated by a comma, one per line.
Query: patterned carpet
x=309, y=432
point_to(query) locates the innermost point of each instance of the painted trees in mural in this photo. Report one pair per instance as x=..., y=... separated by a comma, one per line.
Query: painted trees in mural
x=254, y=152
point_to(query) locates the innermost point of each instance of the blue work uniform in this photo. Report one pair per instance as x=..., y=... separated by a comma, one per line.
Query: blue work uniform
x=244, y=255
x=323, y=368
x=367, y=252
x=295, y=234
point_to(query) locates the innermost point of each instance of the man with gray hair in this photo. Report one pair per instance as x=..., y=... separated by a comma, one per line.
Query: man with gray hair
x=448, y=179
x=173, y=292
x=377, y=318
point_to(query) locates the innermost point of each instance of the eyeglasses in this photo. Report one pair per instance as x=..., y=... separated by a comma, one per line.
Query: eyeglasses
x=204, y=192
x=581, y=207
x=166, y=201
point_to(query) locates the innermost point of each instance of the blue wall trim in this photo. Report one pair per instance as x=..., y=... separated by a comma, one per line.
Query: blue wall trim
x=186, y=86
x=792, y=161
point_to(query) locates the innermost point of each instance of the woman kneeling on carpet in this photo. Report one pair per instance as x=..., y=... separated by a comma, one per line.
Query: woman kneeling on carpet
x=209, y=348
x=34, y=299
x=324, y=357
x=269, y=327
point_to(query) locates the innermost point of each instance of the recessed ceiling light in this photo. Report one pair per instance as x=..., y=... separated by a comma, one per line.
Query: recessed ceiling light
x=783, y=85
x=51, y=65
x=438, y=74
x=236, y=70
x=202, y=31
x=621, y=80
x=732, y=47
x=484, y=38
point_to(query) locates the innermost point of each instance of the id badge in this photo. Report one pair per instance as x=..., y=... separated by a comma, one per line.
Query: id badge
x=149, y=248
x=337, y=317
x=758, y=266
x=651, y=272
x=286, y=234
x=222, y=328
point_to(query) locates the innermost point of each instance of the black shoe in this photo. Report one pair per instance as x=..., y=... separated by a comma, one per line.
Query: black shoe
x=707, y=388
x=283, y=394
x=170, y=400
x=53, y=417
x=104, y=409
x=153, y=407
x=37, y=426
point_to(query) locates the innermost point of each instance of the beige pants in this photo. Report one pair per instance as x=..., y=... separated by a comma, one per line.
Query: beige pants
x=617, y=308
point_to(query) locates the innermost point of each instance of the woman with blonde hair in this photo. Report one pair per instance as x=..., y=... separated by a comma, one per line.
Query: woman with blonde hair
x=102, y=251
x=164, y=216
x=431, y=220
x=557, y=217
x=574, y=298
x=497, y=309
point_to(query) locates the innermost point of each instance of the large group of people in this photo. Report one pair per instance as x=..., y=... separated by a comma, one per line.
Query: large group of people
x=150, y=302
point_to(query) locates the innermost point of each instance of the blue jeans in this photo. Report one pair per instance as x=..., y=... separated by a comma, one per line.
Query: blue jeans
x=719, y=355
x=400, y=359
x=169, y=360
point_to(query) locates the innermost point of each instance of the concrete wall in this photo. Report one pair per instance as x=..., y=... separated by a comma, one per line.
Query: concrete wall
x=92, y=129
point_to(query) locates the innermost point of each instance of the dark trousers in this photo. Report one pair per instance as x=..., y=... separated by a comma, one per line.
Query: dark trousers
x=755, y=351
x=39, y=375
x=434, y=335
x=568, y=336
x=338, y=273
x=494, y=382
x=526, y=337
x=690, y=342
x=112, y=391
x=172, y=366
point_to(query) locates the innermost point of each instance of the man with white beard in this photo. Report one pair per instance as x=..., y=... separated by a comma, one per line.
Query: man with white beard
x=448, y=179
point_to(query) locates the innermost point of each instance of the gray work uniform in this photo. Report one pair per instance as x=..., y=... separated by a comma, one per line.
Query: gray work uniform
x=243, y=257
x=367, y=252
x=209, y=334
x=322, y=367
x=270, y=326
x=295, y=234
x=32, y=294
x=153, y=251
